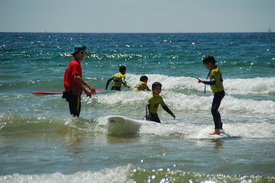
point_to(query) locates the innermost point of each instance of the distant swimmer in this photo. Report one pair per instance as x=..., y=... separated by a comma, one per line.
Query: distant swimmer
x=216, y=83
x=142, y=84
x=118, y=79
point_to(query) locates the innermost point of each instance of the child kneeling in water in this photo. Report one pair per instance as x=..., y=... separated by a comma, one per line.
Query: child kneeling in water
x=142, y=84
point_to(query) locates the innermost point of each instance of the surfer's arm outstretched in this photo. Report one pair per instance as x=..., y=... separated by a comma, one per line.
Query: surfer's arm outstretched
x=169, y=111
x=207, y=82
x=210, y=82
x=125, y=84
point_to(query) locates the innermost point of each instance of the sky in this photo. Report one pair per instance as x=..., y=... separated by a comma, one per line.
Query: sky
x=134, y=16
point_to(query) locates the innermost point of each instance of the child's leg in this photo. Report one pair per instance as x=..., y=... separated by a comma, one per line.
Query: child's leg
x=154, y=117
x=116, y=88
x=214, y=110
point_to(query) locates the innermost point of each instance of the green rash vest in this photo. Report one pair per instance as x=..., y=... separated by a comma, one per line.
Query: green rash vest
x=141, y=86
x=118, y=79
x=215, y=74
x=153, y=102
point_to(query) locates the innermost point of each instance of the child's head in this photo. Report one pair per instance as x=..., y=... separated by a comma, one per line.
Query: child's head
x=209, y=61
x=143, y=78
x=122, y=69
x=156, y=87
x=209, y=58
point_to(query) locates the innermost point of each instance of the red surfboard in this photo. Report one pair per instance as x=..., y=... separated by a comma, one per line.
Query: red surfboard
x=51, y=93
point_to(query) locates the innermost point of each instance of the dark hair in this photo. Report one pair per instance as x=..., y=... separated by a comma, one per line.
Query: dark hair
x=209, y=58
x=143, y=78
x=155, y=84
x=122, y=68
x=77, y=50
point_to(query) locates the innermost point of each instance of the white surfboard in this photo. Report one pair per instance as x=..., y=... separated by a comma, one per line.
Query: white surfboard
x=123, y=125
x=204, y=135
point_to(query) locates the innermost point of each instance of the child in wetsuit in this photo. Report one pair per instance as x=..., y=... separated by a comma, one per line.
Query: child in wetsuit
x=142, y=84
x=216, y=83
x=153, y=102
x=118, y=79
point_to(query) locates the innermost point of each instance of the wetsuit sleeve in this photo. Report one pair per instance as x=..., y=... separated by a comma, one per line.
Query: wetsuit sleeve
x=147, y=108
x=124, y=83
x=109, y=80
x=210, y=82
x=167, y=109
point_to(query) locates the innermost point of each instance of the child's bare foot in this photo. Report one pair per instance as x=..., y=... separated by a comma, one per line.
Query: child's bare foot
x=216, y=132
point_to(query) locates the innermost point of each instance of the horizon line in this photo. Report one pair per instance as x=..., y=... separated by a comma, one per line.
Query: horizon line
x=128, y=32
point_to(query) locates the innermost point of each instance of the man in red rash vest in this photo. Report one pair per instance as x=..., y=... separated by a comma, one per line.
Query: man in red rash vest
x=73, y=82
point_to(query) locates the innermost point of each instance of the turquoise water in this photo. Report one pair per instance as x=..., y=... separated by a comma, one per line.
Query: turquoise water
x=40, y=142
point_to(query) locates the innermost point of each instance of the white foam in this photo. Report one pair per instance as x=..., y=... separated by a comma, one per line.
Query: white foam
x=232, y=86
x=168, y=82
x=123, y=97
x=118, y=174
x=252, y=117
x=250, y=86
x=230, y=103
x=182, y=102
x=253, y=128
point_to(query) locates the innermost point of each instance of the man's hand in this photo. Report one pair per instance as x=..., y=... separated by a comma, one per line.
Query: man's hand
x=92, y=89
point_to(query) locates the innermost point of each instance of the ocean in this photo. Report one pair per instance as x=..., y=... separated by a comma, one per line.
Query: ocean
x=40, y=142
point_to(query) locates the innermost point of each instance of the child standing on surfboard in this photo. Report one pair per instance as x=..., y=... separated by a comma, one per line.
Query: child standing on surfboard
x=118, y=79
x=216, y=83
x=73, y=82
x=142, y=84
x=153, y=102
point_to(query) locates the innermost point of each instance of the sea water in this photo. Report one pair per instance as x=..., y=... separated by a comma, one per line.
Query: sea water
x=40, y=142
